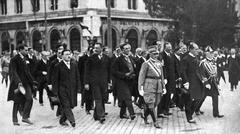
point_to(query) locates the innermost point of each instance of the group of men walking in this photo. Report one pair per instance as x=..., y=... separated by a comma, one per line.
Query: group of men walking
x=156, y=80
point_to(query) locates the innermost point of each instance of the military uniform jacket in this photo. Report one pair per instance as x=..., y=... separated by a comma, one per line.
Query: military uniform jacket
x=151, y=77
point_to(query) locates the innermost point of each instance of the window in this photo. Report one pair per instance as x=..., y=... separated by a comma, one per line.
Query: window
x=132, y=4
x=3, y=7
x=113, y=3
x=54, y=5
x=35, y=5
x=19, y=8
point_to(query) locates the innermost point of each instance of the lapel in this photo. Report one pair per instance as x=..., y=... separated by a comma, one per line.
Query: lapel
x=65, y=66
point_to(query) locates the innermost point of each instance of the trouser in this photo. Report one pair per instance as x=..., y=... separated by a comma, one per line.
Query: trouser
x=127, y=103
x=190, y=105
x=67, y=113
x=28, y=103
x=150, y=111
x=214, y=104
x=17, y=107
x=99, y=92
x=164, y=105
x=41, y=86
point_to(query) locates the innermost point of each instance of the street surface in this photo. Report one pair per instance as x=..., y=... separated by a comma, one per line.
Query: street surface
x=45, y=121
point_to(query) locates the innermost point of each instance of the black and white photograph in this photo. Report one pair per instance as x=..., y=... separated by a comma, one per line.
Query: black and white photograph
x=119, y=66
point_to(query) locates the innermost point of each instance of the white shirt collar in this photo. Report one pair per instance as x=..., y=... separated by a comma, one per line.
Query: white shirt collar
x=21, y=56
x=67, y=64
x=178, y=57
x=191, y=55
x=44, y=61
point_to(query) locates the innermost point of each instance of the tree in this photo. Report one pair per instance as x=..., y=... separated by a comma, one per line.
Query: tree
x=208, y=22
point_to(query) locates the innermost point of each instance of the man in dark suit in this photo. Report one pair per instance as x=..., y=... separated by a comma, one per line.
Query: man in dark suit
x=86, y=97
x=51, y=76
x=192, y=81
x=41, y=75
x=31, y=62
x=21, y=86
x=66, y=86
x=97, y=75
x=178, y=78
x=169, y=76
x=139, y=60
x=116, y=54
x=124, y=70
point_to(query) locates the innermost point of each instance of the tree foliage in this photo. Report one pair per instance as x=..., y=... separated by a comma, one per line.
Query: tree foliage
x=208, y=22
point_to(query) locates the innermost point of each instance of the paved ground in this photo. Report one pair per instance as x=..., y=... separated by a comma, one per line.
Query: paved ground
x=45, y=121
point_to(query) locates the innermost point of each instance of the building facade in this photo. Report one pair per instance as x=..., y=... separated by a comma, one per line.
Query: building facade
x=42, y=24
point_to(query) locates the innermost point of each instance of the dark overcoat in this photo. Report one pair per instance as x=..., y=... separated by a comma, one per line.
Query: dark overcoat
x=191, y=74
x=19, y=73
x=67, y=80
x=169, y=71
x=233, y=69
x=124, y=85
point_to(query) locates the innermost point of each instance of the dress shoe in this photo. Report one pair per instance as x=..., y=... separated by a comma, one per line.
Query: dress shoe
x=199, y=112
x=108, y=102
x=16, y=124
x=167, y=113
x=106, y=113
x=88, y=112
x=218, y=116
x=73, y=124
x=102, y=120
x=63, y=123
x=156, y=125
x=41, y=104
x=161, y=116
x=146, y=120
x=124, y=116
x=191, y=121
x=27, y=121
x=132, y=117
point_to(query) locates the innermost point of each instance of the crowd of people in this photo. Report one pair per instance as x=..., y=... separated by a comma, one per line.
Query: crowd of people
x=155, y=80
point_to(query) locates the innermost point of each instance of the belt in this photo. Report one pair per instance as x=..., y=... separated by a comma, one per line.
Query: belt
x=153, y=77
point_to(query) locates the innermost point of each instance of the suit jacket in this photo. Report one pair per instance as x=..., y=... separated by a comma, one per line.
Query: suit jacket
x=68, y=80
x=124, y=84
x=191, y=74
x=81, y=67
x=19, y=73
x=97, y=71
x=31, y=63
x=40, y=67
x=178, y=69
x=146, y=76
x=51, y=71
x=169, y=70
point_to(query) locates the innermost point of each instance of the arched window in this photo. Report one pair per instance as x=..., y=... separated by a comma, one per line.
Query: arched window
x=151, y=38
x=114, y=39
x=54, y=39
x=5, y=41
x=36, y=41
x=75, y=42
x=20, y=38
x=132, y=39
x=54, y=5
x=113, y=3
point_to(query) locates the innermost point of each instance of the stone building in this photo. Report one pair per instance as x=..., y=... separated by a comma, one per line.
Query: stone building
x=42, y=24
